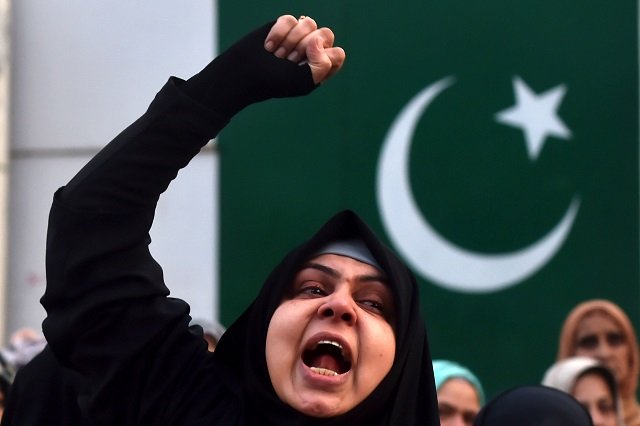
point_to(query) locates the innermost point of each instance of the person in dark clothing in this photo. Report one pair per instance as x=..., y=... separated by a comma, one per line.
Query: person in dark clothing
x=212, y=331
x=44, y=393
x=7, y=374
x=334, y=337
x=533, y=405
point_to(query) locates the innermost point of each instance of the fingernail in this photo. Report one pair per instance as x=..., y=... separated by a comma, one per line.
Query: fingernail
x=280, y=52
x=293, y=56
x=268, y=45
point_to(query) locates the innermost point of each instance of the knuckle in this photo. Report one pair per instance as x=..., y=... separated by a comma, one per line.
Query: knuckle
x=287, y=19
x=310, y=22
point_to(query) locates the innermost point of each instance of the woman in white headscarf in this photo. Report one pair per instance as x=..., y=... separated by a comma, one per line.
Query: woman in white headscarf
x=592, y=384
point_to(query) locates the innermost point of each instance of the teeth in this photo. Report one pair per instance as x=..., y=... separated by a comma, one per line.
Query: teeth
x=330, y=342
x=323, y=371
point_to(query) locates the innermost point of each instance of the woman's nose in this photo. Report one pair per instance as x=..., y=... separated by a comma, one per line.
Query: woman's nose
x=339, y=307
x=459, y=421
x=602, y=351
x=596, y=417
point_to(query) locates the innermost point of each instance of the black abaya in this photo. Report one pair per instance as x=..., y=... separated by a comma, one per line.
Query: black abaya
x=110, y=316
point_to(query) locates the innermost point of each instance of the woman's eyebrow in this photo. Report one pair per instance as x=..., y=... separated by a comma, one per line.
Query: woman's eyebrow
x=323, y=268
x=377, y=277
x=336, y=274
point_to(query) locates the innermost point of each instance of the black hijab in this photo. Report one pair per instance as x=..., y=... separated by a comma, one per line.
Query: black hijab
x=533, y=406
x=406, y=396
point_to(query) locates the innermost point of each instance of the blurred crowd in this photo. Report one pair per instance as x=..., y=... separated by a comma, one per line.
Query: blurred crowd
x=36, y=390
x=593, y=381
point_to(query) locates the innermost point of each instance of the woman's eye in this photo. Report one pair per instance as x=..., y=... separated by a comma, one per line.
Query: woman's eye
x=615, y=339
x=373, y=305
x=606, y=406
x=588, y=342
x=311, y=291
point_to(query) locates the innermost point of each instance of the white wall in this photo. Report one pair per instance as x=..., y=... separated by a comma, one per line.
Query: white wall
x=82, y=70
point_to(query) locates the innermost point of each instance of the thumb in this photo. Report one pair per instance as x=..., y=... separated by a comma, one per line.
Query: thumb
x=318, y=60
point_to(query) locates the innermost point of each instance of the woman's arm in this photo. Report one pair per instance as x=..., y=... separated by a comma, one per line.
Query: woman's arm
x=108, y=312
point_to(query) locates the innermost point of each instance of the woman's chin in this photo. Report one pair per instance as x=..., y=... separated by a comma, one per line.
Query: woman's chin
x=320, y=406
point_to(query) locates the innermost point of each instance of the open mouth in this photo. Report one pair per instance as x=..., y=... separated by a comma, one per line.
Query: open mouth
x=327, y=357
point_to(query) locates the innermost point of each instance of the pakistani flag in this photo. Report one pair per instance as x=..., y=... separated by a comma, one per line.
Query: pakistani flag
x=493, y=145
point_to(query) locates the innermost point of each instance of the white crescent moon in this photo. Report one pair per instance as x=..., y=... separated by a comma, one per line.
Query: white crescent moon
x=424, y=249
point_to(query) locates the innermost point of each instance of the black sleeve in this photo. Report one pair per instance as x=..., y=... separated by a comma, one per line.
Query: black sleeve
x=109, y=316
x=43, y=392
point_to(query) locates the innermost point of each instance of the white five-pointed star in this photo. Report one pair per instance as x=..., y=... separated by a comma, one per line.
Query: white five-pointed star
x=536, y=115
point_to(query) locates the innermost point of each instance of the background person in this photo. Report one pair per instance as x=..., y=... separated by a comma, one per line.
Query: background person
x=533, y=405
x=212, y=331
x=600, y=329
x=24, y=344
x=460, y=394
x=44, y=393
x=592, y=384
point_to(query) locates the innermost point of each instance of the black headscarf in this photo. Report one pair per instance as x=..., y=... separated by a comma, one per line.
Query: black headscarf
x=533, y=406
x=109, y=314
x=406, y=396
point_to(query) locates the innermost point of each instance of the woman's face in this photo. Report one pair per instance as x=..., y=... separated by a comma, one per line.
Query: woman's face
x=330, y=343
x=592, y=392
x=458, y=403
x=600, y=337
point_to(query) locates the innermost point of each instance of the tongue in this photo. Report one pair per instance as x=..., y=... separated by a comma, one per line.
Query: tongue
x=326, y=361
